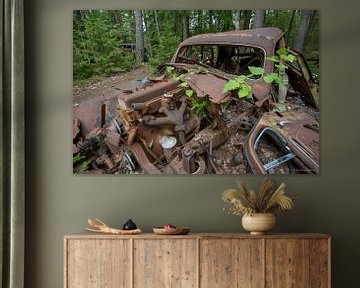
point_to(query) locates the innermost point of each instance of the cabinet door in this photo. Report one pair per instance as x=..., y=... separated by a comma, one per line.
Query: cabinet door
x=231, y=263
x=320, y=263
x=98, y=263
x=165, y=263
x=288, y=263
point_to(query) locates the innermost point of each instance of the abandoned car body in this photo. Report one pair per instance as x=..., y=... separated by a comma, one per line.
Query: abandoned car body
x=184, y=123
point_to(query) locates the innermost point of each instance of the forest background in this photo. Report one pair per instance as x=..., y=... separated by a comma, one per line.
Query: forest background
x=109, y=42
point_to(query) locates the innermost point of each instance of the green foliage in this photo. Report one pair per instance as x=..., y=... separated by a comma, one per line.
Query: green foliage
x=80, y=166
x=240, y=83
x=198, y=105
x=280, y=60
x=165, y=44
x=169, y=69
x=78, y=157
x=96, y=46
x=98, y=35
x=272, y=77
x=183, y=84
x=256, y=70
x=189, y=93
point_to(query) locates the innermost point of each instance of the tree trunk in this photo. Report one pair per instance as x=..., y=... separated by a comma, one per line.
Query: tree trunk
x=311, y=24
x=246, y=19
x=157, y=23
x=236, y=19
x=139, y=36
x=291, y=23
x=211, y=20
x=259, y=18
x=147, y=36
x=200, y=25
x=185, y=26
x=304, y=25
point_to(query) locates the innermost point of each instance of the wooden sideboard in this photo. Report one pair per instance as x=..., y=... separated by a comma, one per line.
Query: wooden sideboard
x=197, y=260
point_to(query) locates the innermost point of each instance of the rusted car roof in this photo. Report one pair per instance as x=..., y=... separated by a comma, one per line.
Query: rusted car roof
x=258, y=37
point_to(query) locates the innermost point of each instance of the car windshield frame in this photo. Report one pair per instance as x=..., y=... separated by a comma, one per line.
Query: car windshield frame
x=228, y=60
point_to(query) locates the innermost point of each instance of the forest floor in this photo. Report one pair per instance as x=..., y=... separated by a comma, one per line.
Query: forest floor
x=96, y=87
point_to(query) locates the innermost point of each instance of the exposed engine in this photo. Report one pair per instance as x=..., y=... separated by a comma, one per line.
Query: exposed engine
x=156, y=131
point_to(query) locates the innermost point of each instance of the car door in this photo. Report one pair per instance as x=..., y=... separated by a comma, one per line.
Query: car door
x=302, y=80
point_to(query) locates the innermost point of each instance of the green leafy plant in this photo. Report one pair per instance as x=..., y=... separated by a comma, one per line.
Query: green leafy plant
x=80, y=166
x=245, y=201
x=198, y=104
x=280, y=60
x=240, y=83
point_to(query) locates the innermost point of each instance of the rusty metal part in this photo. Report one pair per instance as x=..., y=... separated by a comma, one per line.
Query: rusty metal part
x=114, y=138
x=241, y=122
x=200, y=166
x=290, y=130
x=261, y=91
x=130, y=163
x=146, y=94
x=264, y=37
x=152, y=135
x=94, y=133
x=301, y=80
x=192, y=124
x=207, y=135
x=149, y=151
x=208, y=85
x=76, y=127
x=174, y=117
x=132, y=135
x=143, y=160
x=116, y=126
x=142, y=107
x=104, y=160
x=91, y=112
x=128, y=116
x=115, y=150
x=191, y=163
x=76, y=148
x=187, y=154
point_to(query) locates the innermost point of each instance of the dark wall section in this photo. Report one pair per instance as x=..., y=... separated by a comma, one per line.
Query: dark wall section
x=59, y=203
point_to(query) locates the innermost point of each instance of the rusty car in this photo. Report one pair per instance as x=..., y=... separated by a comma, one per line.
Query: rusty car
x=158, y=126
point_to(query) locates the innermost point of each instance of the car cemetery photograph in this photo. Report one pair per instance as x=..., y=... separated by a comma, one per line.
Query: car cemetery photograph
x=196, y=92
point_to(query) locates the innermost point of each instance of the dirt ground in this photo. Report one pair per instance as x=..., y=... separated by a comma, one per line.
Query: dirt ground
x=91, y=89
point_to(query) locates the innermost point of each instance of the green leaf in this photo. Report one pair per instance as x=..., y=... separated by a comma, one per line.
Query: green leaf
x=241, y=79
x=169, y=69
x=273, y=58
x=189, y=92
x=269, y=78
x=256, y=70
x=183, y=84
x=244, y=91
x=282, y=51
x=231, y=85
x=278, y=80
x=281, y=66
x=289, y=58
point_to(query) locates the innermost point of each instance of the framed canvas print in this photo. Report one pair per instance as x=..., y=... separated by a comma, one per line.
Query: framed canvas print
x=196, y=92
